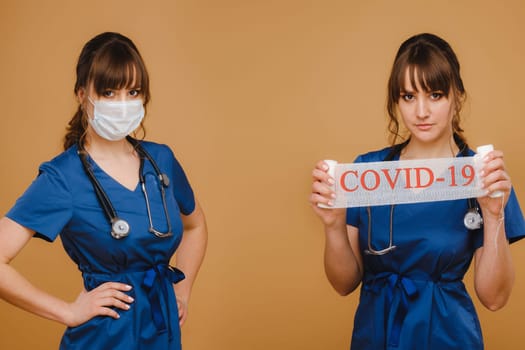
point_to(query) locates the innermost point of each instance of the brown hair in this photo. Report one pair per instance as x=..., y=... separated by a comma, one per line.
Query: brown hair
x=437, y=69
x=108, y=61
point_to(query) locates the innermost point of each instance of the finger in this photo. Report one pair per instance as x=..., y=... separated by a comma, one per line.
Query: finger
x=322, y=188
x=494, y=164
x=115, y=294
x=323, y=176
x=182, y=309
x=115, y=303
x=316, y=199
x=321, y=165
x=496, y=183
x=492, y=155
x=182, y=319
x=495, y=176
x=106, y=311
x=493, y=158
x=323, y=185
x=499, y=186
x=496, y=154
x=114, y=285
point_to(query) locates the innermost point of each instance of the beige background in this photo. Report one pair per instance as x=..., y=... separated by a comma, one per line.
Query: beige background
x=250, y=94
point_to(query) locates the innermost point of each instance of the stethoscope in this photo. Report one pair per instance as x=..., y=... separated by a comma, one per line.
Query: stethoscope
x=120, y=228
x=472, y=219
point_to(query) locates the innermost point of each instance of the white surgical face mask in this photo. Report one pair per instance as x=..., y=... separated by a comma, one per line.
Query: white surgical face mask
x=114, y=120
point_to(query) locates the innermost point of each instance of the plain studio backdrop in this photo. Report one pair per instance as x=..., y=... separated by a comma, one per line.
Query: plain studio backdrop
x=250, y=95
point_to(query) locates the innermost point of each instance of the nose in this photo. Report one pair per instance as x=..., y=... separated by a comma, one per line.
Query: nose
x=422, y=108
x=121, y=95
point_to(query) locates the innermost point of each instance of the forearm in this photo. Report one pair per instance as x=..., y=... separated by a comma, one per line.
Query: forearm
x=494, y=276
x=18, y=291
x=189, y=257
x=342, y=266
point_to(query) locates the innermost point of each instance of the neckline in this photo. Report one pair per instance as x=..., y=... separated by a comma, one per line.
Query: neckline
x=96, y=167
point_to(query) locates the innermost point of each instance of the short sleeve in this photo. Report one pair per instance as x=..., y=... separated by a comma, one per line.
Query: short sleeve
x=514, y=222
x=182, y=188
x=46, y=206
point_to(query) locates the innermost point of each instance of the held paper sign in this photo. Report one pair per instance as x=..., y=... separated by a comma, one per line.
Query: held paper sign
x=405, y=181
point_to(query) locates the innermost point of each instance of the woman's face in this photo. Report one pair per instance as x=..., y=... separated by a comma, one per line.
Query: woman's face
x=427, y=115
x=124, y=114
x=88, y=96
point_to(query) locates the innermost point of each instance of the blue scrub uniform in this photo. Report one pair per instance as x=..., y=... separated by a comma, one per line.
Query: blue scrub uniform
x=61, y=201
x=413, y=298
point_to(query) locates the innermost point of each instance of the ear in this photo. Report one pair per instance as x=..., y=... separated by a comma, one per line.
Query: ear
x=81, y=95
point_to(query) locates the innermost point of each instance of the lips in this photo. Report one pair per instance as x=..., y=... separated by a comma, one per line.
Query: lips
x=424, y=127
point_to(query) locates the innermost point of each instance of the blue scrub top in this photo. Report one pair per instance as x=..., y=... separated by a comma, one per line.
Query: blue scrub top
x=61, y=201
x=413, y=297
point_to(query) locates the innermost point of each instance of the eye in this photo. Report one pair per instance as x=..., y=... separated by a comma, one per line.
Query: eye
x=407, y=97
x=436, y=95
x=134, y=92
x=108, y=93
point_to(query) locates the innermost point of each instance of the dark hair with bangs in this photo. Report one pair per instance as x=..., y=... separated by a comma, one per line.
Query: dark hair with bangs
x=108, y=61
x=432, y=61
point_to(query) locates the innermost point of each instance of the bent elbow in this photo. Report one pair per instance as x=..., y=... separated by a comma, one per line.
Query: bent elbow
x=494, y=308
x=344, y=290
x=496, y=303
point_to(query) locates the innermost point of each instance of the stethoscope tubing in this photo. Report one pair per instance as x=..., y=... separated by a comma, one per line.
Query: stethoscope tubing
x=472, y=221
x=120, y=227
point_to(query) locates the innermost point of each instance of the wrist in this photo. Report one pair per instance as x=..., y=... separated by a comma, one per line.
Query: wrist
x=497, y=217
x=336, y=228
x=66, y=315
x=489, y=216
x=182, y=292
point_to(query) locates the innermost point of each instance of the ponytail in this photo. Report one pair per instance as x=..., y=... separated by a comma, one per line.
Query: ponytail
x=76, y=130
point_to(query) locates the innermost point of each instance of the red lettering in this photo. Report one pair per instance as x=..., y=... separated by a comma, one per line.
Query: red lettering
x=452, y=176
x=343, y=180
x=418, y=177
x=391, y=182
x=407, y=177
x=376, y=177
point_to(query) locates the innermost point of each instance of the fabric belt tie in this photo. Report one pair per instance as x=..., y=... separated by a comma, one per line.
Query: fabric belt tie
x=157, y=274
x=393, y=281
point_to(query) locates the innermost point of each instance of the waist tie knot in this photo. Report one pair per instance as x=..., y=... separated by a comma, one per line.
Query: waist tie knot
x=393, y=282
x=157, y=274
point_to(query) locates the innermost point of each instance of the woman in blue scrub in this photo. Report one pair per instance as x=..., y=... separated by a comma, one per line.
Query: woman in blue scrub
x=122, y=207
x=413, y=296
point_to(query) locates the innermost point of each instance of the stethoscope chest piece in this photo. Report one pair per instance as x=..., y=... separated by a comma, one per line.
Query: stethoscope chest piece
x=119, y=228
x=473, y=219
